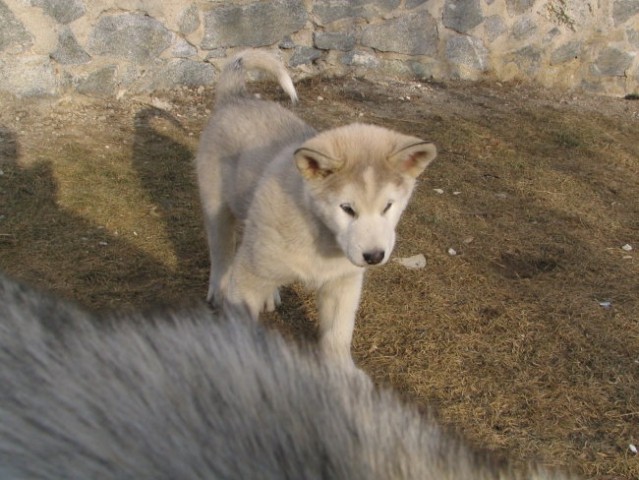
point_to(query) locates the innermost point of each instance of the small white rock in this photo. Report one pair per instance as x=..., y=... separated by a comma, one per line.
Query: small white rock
x=633, y=448
x=627, y=247
x=456, y=193
x=413, y=263
x=320, y=98
x=452, y=252
x=605, y=304
x=438, y=190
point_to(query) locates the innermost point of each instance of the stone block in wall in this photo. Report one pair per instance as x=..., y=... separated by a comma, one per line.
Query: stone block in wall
x=462, y=15
x=358, y=58
x=64, y=11
x=524, y=28
x=215, y=54
x=183, y=49
x=467, y=55
x=412, y=34
x=12, y=32
x=304, y=55
x=287, y=43
x=410, y=4
x=100, y=83
x=328, y=11
x=134, y=37
x=167, y=75
x=341, y=41
x=494, y=27
x=28, y=76
x=69, y=51
x=186, y=72
x=253, y=25
x=551, y=35
x=567, y=52
x=528, y=60
x=623, y=10
x=611, y=62
x=519, y=7
x=189, y=20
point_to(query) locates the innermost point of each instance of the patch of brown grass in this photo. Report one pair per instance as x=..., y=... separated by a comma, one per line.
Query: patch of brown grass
x=507, y=339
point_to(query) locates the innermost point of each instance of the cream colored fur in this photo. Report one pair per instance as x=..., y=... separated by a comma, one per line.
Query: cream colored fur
x=316, y=207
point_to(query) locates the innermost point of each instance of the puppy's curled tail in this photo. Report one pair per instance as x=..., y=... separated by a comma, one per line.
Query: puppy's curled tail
x=232, y=82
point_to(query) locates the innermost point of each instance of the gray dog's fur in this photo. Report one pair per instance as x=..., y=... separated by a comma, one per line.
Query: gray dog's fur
x=186, y=397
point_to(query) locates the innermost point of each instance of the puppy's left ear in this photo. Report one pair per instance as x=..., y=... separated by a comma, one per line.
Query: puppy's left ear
x=414, y=156
x=315, y=165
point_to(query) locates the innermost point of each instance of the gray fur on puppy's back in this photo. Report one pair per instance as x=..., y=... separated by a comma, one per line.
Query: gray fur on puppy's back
x=187, y=397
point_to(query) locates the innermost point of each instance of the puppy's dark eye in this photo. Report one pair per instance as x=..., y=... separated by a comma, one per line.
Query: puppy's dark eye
x=387, y=207
x=348, y=209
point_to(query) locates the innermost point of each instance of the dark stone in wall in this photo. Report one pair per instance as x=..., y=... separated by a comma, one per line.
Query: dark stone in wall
x=611, y=62
x=253, y=25
x=328, y=11
x=524, y=28
x=12, y=32
x=517, y=7
x=189, y=20
x=304, y=55
x=412, y=34
x=133, y=36
x=462, y=15
x=100, y=83
x=464, y=51
x=494, y=27
x=623, y=10
x=334, y=41
x=69, y=51
x=64, y=11
x=566, y=52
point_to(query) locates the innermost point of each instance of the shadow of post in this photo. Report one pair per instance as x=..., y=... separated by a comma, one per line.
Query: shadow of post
x=165, y=169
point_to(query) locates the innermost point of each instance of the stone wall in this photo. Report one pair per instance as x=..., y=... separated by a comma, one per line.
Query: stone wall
x=116, y=47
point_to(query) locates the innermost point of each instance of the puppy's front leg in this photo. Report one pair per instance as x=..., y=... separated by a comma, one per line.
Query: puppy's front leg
x=338, y=300
x=248, y=293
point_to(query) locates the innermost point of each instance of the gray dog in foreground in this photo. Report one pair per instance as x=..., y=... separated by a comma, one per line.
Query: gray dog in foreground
x=179, y=396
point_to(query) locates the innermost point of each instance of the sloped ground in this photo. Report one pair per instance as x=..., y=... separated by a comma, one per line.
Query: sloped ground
x=526, y=340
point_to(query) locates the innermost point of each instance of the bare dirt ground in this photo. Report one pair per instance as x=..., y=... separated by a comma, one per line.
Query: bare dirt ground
x=522, y=330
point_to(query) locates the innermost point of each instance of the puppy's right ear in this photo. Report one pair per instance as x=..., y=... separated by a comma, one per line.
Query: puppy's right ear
x=314, y=165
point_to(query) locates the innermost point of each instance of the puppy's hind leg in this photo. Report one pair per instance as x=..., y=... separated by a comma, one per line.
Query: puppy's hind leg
x=219, y=223
x=221, y=236
x=338, y=301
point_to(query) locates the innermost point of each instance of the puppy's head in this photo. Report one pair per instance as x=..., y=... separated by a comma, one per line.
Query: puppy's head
x=359, y=179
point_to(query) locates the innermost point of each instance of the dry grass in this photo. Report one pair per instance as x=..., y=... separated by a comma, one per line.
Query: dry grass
x=507, y=339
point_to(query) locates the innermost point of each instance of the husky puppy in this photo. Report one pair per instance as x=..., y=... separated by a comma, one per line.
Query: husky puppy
x=184, y=396
x=316, y=207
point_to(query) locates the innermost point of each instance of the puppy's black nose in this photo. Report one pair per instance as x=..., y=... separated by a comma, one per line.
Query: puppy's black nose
x=374, y=257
